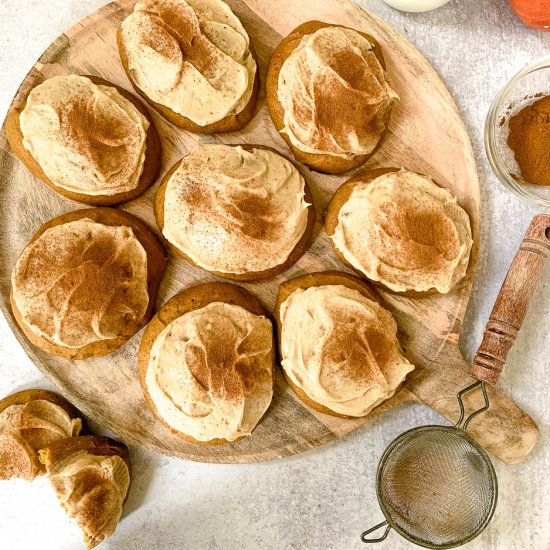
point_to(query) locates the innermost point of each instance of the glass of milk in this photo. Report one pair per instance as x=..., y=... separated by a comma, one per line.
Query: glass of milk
x=416, y=5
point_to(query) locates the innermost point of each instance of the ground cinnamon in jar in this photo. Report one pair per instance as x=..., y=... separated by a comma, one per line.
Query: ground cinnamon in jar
x=529, y=139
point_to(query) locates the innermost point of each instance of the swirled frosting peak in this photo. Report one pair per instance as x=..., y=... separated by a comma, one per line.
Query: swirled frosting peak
x=210, y=372
x=92, y=489
x=81, y=282
x=27, y=428
x=235, y=211
x=86, y=137
x=191, y=56
x=335, y=94
x=341, y=349
x=405, y=232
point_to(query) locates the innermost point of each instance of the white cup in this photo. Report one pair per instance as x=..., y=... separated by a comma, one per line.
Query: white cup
x=416, y=5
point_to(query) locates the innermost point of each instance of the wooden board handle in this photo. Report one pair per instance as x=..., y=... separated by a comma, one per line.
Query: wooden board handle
x=513, y=301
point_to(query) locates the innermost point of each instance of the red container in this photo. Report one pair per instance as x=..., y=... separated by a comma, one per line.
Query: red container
x=534, y=13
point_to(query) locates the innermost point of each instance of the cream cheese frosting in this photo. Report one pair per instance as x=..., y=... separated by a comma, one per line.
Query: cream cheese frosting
x=81, y=282
x=40, y=422
x=86, y=137
x=92, y=489
x=210, y=372
x=405, y=232
x=27, y=428
x=17, y=458
x=235, y=211
x=341, y=349
x=192, y=56
x=335, y=94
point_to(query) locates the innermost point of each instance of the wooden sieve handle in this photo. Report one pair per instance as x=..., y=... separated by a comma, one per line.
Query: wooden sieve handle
x=513, y=301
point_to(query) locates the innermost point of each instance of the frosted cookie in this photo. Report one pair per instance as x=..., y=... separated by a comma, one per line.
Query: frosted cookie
x=401, y=231
x=329, y=95
x=206, y=363
x=29, y=421
x=192, y=61
x=338, y=345
x=87, y=139
x=91, y=477
x=86, y=282
x=240, y=212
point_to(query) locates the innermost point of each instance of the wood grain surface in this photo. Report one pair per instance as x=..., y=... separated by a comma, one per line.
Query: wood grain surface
x=425, y=134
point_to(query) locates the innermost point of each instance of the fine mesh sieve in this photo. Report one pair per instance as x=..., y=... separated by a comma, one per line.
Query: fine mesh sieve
x=436, y=486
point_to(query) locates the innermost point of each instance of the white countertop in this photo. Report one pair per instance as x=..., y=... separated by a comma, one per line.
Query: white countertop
x=324, y=498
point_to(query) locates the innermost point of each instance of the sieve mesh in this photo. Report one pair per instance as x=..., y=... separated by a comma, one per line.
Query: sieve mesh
x=437, y=486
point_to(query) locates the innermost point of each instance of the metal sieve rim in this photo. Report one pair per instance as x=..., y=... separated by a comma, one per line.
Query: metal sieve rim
x=482, y=452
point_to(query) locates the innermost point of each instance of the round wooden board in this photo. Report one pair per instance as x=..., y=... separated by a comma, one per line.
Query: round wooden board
x=426, y=134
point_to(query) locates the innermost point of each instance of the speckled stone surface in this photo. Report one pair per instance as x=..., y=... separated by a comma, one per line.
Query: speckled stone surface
x=325, y=498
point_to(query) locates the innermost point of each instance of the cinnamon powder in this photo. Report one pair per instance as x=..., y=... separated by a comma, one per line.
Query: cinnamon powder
x=529, y=139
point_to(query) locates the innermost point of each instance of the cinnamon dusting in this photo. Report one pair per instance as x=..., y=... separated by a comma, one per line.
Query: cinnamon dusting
x=235, y=211
x=340, y=348
x=25, y=429
x=190, y=56
x=335, y=94
x=210, y=372
x=82, y=282
x=90, y=486
x=87, y=138
x=405, y=232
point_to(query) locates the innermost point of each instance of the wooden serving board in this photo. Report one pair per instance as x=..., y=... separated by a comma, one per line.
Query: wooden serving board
x=426, y=134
